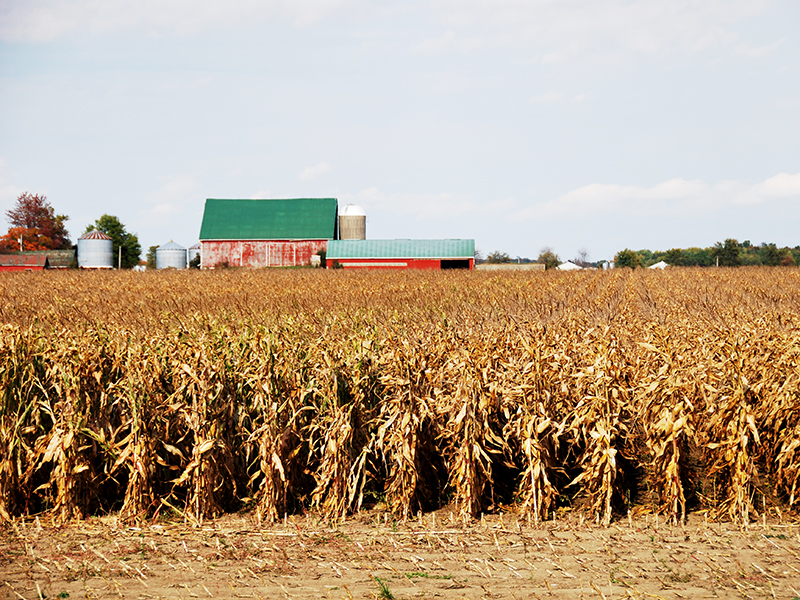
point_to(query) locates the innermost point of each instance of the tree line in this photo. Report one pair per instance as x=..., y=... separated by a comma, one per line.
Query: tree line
x=730, y=253
x=35, y=225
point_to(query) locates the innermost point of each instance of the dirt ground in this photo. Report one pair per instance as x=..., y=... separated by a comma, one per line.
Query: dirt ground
x=372, y=556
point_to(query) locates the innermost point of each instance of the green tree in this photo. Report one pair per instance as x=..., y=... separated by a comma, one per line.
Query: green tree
x=549, y=258
x=627, y=258
x=728, y=253
x=129, y=242
x=151, y=257
x=498, y=257
x=646, y=258
x=698, y=257
x=674, y=257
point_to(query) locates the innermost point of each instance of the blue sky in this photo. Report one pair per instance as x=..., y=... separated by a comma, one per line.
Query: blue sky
x=574, y=124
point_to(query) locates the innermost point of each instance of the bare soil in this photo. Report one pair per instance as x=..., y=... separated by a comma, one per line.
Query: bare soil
x=371, y=556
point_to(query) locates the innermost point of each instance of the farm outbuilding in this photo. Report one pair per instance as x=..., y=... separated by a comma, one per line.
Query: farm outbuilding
x=266, y=233
x=402, y=254
x=569, y=266
x=56, y=259
x=24, y=262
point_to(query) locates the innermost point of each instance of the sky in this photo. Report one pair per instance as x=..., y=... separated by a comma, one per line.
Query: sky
x=591, y=125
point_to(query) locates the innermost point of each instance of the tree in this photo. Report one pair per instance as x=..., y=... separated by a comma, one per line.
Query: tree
x=129, y=242
x=627, y=258
x=674, y=257
x=728, y=253
x=151, y=257
x=10, y=242
x=697, y=257
x=582, y=260
x=34, y=214
x=548, y=258
x=479, y=258
x=498, y=257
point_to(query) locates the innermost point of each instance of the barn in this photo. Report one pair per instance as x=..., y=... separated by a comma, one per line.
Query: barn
x=266, y=233
x=24, y=262
x=402, y=254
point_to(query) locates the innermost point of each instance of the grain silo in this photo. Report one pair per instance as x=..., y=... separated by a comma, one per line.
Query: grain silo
x=352, y=223
x=193, y=252
x=95, y=251
x=170, y=256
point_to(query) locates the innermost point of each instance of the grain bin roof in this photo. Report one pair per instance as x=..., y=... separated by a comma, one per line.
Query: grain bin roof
x=94, y=234
x=340, y=249
x=170, y=245
x=291, y=219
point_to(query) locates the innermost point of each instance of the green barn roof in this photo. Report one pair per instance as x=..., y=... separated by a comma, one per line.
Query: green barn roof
x=338, y=249
x=290, y=219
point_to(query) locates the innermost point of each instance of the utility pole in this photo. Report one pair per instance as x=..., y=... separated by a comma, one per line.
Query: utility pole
x=119, y=262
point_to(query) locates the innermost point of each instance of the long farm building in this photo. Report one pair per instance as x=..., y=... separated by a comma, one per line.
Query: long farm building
x=402, y=254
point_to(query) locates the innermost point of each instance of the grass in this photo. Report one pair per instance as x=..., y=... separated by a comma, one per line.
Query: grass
x=383, y=589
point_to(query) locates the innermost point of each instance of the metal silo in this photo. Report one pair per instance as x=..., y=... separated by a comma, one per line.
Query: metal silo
x=171, y=256
x=353, y=223
x=194, y=252
x=95, y=251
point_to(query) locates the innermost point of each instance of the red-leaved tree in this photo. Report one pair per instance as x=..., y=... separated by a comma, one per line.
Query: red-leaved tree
x=37, y=223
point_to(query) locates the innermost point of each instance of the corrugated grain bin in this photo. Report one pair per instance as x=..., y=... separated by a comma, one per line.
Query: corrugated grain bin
x=194, y=252
x=353, y=223
x=95, y=251
x=171, y=256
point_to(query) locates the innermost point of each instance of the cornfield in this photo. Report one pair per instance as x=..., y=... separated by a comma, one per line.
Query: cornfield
x=199, y=393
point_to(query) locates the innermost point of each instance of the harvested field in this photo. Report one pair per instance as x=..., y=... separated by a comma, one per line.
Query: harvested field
x=194, y=395
x=374, y=557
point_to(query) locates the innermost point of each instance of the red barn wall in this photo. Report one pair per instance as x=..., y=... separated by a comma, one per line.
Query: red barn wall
x=21, y=268
x=392, y=263
x=259, y=253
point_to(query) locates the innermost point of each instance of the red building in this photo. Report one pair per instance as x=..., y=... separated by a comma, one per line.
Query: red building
x=402, y=254
x=266, y=233
x=24, y=262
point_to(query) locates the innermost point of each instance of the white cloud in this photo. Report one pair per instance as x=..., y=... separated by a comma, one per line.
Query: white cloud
x=759, y=51
x=782, y=185
x=432, y=45
x=547, y=98
x=314, y=172
x=556, y=30
x=551, y=97
x=46, y=20
x=173, y=197
x=669, y=198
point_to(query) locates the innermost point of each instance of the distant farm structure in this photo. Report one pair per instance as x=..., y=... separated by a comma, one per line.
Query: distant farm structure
x=37, y=260
x=402, y=254
x=297, y=232
x=266, y=233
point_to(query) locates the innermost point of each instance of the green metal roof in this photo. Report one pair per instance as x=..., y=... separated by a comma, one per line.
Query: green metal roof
x=338, y=249
x=290, y=219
